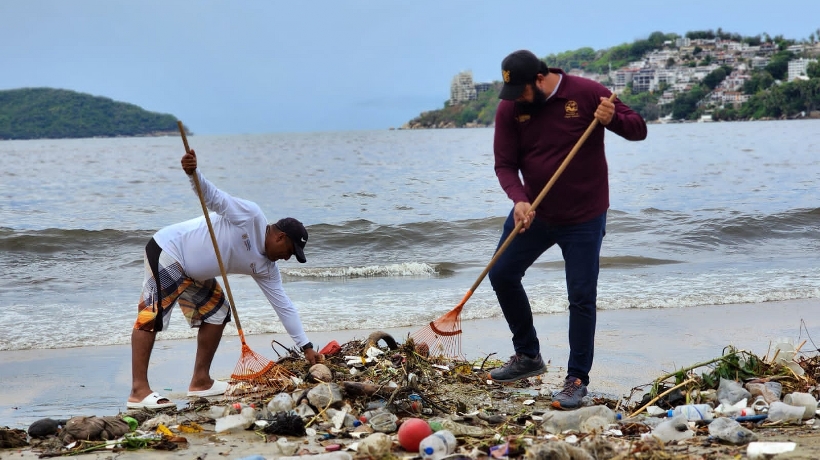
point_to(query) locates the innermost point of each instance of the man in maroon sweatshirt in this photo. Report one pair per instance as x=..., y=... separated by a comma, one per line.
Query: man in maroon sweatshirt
x=542, y=114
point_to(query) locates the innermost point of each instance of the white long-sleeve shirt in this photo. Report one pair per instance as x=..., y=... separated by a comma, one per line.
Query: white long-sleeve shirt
x=239, y=226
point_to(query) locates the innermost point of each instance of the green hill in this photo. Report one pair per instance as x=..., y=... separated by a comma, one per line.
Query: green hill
x=46, y=113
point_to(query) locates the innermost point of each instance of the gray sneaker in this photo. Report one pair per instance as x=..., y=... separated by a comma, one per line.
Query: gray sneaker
x=572, y=394
x=519, y=367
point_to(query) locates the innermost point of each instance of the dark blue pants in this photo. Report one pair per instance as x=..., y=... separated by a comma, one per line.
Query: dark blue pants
x=581, y=248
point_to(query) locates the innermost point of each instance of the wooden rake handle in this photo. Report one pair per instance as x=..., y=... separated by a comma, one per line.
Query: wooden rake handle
x=533, y=205
x=213, y=238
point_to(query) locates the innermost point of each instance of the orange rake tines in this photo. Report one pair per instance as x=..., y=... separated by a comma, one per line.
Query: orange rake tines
x=442, y=337
x=254, y=375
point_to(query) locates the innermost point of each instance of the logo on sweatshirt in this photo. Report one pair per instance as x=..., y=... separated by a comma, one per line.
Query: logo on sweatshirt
x=246, y=241
x=571, y=109
x=522, y=118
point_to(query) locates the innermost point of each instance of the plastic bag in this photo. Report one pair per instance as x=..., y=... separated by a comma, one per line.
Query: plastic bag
x=731, y=431
x=730, y=392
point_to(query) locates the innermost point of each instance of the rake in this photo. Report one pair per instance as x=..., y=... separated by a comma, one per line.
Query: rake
x=254, y=375
x=442, y=337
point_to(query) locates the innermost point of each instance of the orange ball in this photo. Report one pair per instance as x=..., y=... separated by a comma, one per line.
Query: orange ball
x=411, y=432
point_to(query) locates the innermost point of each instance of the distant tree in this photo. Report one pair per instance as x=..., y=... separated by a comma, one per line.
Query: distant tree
x=725, y=114
x=713, y=79
x=656, y=39
x=783, y=43
x=645, y=103
x=685, y=105
x=697, y=50
x=759, y=81
x=572, y=59
x=753, y=41
x=704, y=34
x=813, y=70
x=802, y=95
x=670, y=62
x=779, y=65
x=468, y=115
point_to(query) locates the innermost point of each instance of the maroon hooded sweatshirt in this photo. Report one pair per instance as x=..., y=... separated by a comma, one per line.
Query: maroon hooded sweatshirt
x=534, y=142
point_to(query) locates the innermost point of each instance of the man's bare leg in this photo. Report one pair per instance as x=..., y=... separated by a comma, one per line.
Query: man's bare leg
x=142, y=343
x=207, y=341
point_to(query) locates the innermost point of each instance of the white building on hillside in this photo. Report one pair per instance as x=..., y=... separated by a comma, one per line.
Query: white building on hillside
x=797, y=67
x=644, y=81
x=462, y=89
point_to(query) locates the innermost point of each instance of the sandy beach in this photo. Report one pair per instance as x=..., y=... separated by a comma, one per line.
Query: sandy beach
x=633, y=347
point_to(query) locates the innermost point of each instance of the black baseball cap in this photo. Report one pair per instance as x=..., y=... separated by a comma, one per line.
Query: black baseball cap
x=518, y=69
x=297, y=233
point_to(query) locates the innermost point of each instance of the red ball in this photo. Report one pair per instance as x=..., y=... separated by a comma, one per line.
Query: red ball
x=411, y=432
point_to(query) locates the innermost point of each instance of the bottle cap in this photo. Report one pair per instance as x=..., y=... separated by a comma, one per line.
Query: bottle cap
x=670, y=413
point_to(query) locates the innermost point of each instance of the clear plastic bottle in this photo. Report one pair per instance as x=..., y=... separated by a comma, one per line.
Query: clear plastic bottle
x=693, y=412
x=439, y=444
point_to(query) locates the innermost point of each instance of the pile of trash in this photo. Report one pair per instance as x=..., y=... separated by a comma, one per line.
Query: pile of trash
x=379, y=399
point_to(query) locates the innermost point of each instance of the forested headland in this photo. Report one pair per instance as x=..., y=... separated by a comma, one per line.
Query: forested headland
x=47, y=113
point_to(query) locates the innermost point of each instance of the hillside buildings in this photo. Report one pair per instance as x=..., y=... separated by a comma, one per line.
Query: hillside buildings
x=678, y=67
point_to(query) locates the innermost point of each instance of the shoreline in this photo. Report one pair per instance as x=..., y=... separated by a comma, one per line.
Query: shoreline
x=633, y=347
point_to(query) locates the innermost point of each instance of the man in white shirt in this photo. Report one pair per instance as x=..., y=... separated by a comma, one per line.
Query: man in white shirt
x=182, y=257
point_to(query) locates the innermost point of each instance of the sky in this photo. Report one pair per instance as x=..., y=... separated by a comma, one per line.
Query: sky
x=268, y=66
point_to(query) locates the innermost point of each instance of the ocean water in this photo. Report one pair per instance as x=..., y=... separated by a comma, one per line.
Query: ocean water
x=401, y=223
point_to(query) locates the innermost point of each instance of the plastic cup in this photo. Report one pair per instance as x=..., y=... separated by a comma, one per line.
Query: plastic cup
x=384, y=422
x=804, y=400
x=782, y=412
x=773, y=391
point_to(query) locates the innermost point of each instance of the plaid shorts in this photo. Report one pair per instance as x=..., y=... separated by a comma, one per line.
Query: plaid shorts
x=200, y=301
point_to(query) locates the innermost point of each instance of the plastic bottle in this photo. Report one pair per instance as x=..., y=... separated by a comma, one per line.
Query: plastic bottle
x=693, y=412
x=584, y=420
x=439, y=444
